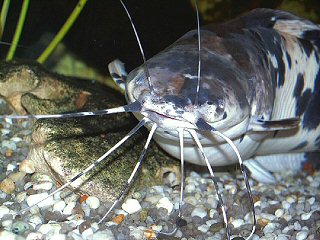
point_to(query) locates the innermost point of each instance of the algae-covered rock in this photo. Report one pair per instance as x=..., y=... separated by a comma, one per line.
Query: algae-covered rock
x=62, y=148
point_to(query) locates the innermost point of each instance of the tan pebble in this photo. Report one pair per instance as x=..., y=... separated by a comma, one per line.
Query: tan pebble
x=7, y=186
x=118, y=219
x=8, y=152
x=26, y=166
x=262, y=223
x=149, y=234
x=17, y=176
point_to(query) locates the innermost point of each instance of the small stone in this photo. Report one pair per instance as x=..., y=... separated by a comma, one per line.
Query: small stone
x=27, y=166
x=59, y=206
x=7, y=186
x=297, y=226
x=43, y=186
x=306, y=216
x=68, y=209
x=20, y=227
x=58, y=236
x=7, y=224
x=131, y=206
x=105, y=234
x=119, y=218
x=17, y=176
x=282, y=237
x=34, y=236
x=286, y=205
x=311, y=200
x=35, y=220
x=20, y=197
x=237, y=222
x=199, y=212
x=54, y=227
x=93, y=202
x=204, y=228
x=279, y=212
x=35, y=198
x=302, y=235
x=270, y=227
x=7, y=235
x=3, y=210
x=86, y=233
x=165, y=203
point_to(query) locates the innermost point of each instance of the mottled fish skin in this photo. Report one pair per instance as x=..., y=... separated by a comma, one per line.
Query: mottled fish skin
x=263, y=65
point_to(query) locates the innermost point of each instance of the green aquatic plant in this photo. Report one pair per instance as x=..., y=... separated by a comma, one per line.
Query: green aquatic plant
x=3, y=16
x=23, y=12
x=18, y=31
x=63, y=31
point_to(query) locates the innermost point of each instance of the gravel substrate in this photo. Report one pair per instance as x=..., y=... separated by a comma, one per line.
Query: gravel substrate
x=288, y=210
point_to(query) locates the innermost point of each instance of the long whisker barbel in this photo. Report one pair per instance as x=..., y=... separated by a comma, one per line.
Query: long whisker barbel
x=136, y=168
x=196, y=101
x=146, y=69
x=213, y=177
x=202, y=125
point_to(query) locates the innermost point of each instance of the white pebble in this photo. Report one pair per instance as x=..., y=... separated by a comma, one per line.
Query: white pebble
x=153, y=199
x=270, y=227
x=306, y=216
x=237, y=222
x=34, y=236
x=199, y=211
x=7, y=224
x=311, y=200
x=212, y=202
x=131, y=206
x=50, y=227
x=86, y=233
x=290, y=199
x=302, y=235
x=7, y=235
x=204, y=228
x=279, y=212
x=27, y=166
x=20, y=197
x=33, y=199
x=43, y=186
x=9, y=144
x=35, y=219
x=297, y=226
x=268, y=216
x=105, y=234
x=59, y=206
x=58, y=236
x=11, y=167
x=3, y=211
x=286, y=205
x=165, y=203
x=68, y=209
x=282, y=237
x=93, y=202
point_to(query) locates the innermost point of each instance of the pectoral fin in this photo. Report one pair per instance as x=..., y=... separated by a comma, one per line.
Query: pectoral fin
x=259, y=125
x=118, y=73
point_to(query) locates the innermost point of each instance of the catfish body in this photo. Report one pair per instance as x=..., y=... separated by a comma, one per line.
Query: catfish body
x=260, y=86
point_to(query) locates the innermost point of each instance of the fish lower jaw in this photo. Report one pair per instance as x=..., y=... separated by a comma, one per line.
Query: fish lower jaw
x=167, y=123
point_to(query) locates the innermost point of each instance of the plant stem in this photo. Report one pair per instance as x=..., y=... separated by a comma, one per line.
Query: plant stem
x=3, y=16
x=18, y=31
x=63, y=31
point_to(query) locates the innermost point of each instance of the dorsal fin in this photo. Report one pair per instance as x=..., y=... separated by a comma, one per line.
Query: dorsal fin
x=279, y=20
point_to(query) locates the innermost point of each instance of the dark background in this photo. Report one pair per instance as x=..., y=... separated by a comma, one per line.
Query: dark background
x=103, y=31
